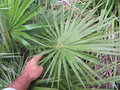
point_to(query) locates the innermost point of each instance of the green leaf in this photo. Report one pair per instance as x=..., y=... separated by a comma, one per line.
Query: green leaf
x=21, y=10
x=20, y=39
x=28, y=16
x=29, y=27
x=27, y=36
x=43, y=88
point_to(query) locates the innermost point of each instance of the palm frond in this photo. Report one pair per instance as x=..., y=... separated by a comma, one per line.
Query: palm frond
x=75, y=38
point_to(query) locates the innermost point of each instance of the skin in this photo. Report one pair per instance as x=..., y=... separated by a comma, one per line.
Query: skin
x=31, y=72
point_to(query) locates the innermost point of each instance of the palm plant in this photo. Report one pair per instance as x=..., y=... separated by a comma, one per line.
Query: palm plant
x=73, y=44
x=14, y=23
x=14, y=17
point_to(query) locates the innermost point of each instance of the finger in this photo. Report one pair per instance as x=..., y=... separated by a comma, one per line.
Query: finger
x=36, y=58
x=40, y=70
x=40, y=56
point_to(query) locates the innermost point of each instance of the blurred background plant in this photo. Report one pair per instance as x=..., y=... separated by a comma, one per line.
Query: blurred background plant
x=80, y=37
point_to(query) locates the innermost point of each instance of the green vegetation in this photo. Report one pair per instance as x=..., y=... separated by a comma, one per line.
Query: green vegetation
x=80, y=40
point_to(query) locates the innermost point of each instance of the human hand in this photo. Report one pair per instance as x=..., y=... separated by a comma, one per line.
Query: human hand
x=32, y=69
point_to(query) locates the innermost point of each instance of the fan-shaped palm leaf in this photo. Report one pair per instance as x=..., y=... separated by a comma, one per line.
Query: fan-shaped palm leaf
x=13, y=22
x=75, y=40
